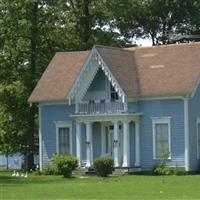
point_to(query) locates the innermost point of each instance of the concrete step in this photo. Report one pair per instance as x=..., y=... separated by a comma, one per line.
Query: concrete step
x=90, y=172
x=120, y=171
x=125, y=171
x=82, y=171
x=79, y=171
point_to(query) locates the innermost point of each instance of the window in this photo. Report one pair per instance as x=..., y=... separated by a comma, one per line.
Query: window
x=64, y=143
x=113, y=93
x=198, y=138
x=161, y=138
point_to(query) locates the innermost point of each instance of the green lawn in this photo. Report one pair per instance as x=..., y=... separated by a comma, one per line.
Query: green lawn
x=125, y=187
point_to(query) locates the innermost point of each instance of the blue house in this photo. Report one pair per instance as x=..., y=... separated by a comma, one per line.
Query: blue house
x=136, y=105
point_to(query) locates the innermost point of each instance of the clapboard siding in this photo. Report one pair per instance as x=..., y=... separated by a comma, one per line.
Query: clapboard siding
x=162, y=108
x=194, y=113
x=50, y=114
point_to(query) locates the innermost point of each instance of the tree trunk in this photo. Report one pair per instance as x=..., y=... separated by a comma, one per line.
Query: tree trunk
x=32, y=110
x=7, y=167
x=153, y=39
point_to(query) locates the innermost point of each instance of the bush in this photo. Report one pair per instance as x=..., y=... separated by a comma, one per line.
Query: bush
x=162, y=170
x=65, y=164
x=104, y=166
x=50, y=170
x=180, y=171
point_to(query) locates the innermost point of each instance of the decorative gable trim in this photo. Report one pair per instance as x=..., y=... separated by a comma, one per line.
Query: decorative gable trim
x=109, y=75
x=87, y=74
x=84, y=79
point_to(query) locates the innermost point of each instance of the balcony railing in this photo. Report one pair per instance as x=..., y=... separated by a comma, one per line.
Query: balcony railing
x=93, y=107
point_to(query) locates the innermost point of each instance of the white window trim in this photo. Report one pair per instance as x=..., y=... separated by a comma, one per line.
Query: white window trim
x=161, y=120
x=197, y=130
x=62, y=124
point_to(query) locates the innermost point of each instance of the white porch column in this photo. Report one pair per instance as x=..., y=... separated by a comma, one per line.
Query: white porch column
x=78, y=143
x=116, y=144
x=137, y=143
x=103, y=140
x=126, y=144
x=89, y=149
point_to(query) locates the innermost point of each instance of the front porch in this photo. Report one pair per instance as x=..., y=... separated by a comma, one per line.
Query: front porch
x=114, y=137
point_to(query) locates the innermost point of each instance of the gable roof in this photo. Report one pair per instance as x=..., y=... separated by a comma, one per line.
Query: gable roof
x=122, y=65
x=148, y=71
x=59, y=77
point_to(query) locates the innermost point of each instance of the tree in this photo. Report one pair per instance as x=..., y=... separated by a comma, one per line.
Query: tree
x=155, y=19
x=27, y=33
x=31, y=31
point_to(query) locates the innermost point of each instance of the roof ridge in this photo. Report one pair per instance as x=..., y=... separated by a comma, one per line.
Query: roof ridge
x=129, y=49
x=110, y=47
x=63, y=52
x=161, y=46
x=116, y=48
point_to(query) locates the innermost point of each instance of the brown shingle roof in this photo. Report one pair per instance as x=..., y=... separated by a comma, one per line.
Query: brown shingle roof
x=149, y=71
x=123, y=67
x=59, y=77
x=168, y=70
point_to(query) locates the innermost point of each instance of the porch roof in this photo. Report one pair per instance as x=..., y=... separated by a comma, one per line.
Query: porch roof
x=102, y=117
x=150, y=71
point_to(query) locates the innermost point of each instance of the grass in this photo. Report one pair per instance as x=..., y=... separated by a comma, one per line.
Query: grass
x=125, y=187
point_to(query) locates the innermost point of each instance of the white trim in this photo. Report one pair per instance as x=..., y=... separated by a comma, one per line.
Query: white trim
x=129, y=99
x=154, y=98
x=40, y=136
x=186, y=134
x=79, y=76
x=107, y=117
x=63, y=124
x=161, y=120
x=53, y=103
x=197, y=131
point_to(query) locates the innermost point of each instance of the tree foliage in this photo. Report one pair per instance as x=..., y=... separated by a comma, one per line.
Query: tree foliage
x=31, y=31
x=155, y=19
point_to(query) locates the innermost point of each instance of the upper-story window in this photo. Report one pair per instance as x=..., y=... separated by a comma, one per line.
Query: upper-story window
x=113, y=93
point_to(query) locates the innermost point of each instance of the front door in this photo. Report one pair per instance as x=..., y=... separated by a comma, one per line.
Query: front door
x=109, y=139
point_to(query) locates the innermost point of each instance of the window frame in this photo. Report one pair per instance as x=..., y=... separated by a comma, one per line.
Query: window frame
x=63, y=125
x=197, y=131
x=161, y=120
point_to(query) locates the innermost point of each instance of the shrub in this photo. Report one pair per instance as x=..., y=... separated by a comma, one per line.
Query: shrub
x=65, y=164
x=180, y=171
x=50, y=170
x=162, y=170
x=104, y=166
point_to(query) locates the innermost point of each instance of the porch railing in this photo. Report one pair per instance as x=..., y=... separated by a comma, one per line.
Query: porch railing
x=100, y=107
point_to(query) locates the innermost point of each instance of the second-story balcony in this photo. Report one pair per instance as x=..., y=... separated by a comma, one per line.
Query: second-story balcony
x=100, y=107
